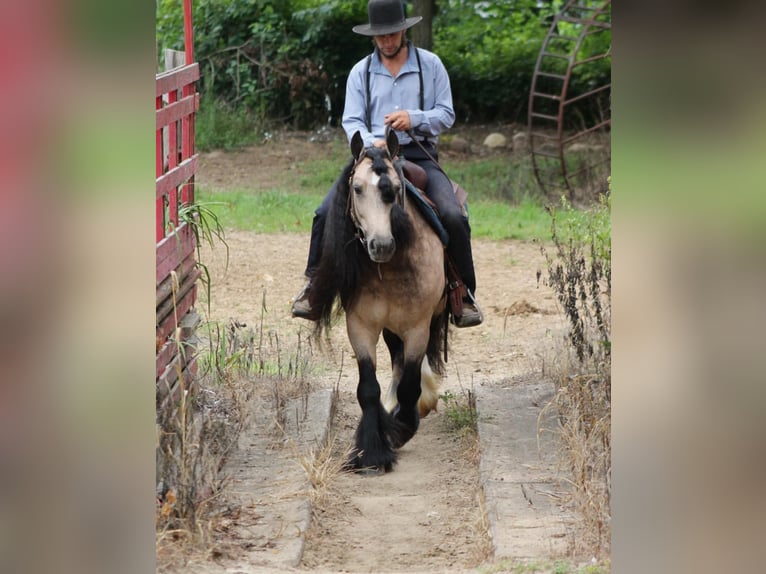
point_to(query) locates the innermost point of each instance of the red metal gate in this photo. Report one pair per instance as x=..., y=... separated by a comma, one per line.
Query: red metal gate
x=176, y=102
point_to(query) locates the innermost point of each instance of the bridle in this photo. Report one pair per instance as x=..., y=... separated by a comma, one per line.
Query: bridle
x=350, y=206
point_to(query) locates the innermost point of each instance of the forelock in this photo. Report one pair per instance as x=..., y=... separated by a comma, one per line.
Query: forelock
x=378, y=157
x=380, y=167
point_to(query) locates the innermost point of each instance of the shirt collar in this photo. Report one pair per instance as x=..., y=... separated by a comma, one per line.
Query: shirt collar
x=411, y=65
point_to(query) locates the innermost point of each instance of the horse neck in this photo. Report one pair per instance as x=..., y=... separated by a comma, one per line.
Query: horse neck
x=419, y=222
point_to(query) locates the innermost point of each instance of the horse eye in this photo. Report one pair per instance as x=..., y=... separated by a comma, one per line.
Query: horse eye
x=357, y=189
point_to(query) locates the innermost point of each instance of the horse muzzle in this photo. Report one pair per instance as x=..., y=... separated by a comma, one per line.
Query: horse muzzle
x=381, y=250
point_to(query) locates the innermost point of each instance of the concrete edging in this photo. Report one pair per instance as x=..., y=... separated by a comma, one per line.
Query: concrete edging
x=519, y=470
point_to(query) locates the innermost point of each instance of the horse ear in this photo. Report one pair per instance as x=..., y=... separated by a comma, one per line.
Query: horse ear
x=392, y=142
x=357, y=145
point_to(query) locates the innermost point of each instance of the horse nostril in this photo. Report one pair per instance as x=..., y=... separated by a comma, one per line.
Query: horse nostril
x=381, y=249
x=382, y=245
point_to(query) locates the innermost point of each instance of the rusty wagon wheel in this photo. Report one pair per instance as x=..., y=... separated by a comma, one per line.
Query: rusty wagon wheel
x=562, y=164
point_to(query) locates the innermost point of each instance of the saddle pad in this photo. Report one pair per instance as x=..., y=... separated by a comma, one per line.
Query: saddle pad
x=427, y=212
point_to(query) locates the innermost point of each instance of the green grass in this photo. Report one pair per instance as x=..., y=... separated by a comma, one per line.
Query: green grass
x=504, y=200
x=273, y=211
x=460, y=411
x=319, y=174
x=500, y=220
x=499, y=179
x=278, y=211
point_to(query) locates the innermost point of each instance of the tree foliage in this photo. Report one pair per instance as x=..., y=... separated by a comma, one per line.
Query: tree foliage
x=491, y=48
x=287, y=61
x=281, y=60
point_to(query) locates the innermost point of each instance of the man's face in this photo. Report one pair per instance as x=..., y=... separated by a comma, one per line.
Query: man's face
x=389, y=44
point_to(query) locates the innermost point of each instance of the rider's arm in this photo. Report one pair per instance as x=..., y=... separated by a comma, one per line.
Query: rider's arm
x=355, y=110
x=439, y=115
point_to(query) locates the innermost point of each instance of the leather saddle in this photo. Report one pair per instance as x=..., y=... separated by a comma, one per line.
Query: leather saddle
x=417, y=180
x=418, y=177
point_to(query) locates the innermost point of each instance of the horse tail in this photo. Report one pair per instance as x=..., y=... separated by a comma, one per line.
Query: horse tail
x=336, y=275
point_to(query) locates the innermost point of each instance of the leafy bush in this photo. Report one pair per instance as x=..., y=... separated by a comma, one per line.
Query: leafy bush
x=280, y=62
x=327, y=37
x=221, y=126
x=490, y=50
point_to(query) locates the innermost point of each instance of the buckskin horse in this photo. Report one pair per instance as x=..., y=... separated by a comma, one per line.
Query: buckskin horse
x=385, y=264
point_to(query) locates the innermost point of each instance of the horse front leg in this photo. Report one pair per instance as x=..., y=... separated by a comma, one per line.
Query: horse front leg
x=429, y=380
x=372, y=451
x=396, y=350
x=407, y=394
x=378, y=431
x=408, y=391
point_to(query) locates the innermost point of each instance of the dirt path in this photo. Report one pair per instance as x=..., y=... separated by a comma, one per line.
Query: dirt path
x=426, y=516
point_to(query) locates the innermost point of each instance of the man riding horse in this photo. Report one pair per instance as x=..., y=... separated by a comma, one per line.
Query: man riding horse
x=408, y=89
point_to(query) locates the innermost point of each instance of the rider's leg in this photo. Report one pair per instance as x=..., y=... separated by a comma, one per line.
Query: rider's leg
x=441, y=192
x=317, y=232
x=301, y=307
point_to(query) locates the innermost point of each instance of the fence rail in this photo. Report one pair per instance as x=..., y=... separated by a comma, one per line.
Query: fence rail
x=176, y=102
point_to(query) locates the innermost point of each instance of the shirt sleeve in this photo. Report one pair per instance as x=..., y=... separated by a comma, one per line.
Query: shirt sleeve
x=441, y=116
x=355, y=108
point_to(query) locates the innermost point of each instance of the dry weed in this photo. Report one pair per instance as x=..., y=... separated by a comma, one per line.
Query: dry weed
x=579, y=272
x=322, y=462
x=484, y=551
x=583, y=403
x=199, y=428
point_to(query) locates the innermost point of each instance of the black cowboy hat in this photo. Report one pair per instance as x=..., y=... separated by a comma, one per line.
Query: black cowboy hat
x=386, y=17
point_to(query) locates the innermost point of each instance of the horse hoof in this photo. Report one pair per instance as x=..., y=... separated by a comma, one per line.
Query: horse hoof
x=371, y=471
x=354, y=464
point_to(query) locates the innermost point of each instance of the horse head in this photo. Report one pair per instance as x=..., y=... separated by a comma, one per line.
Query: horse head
x=376, y=197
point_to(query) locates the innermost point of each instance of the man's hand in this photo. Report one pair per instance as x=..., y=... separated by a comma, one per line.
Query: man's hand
x=400, y=120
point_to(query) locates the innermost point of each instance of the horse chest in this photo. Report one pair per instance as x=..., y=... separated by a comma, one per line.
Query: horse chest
x=400, y=291
x=382, y=283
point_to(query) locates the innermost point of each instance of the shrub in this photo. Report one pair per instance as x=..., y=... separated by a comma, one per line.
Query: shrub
x=221, y=126
x=491, y=48
x=490, y=52
x=281, y=62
